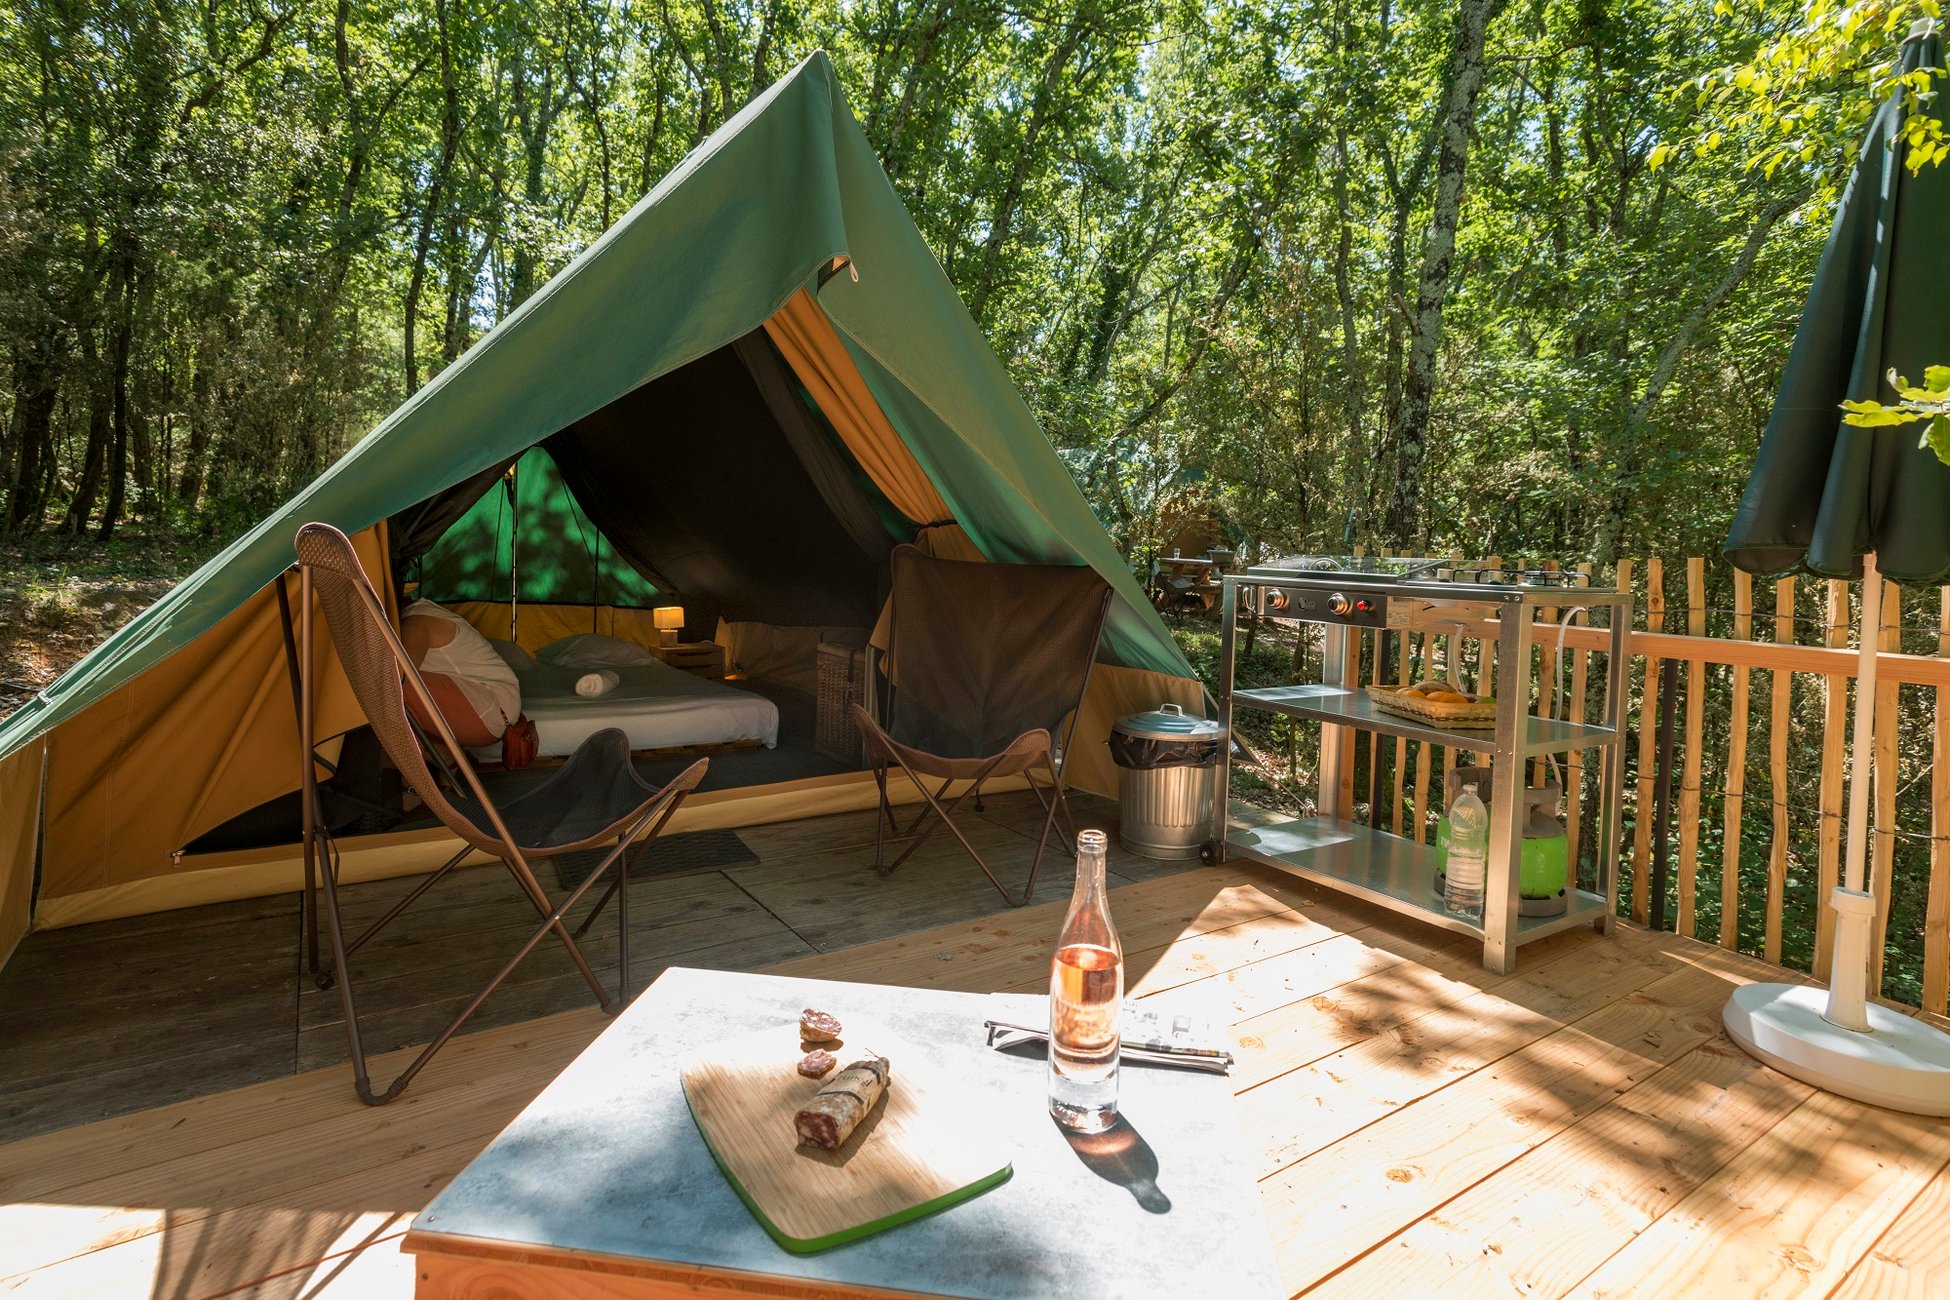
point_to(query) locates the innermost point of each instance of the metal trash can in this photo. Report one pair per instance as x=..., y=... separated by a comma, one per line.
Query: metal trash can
x=1167, y=768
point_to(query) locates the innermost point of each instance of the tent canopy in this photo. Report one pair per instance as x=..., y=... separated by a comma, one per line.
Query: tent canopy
x=657, y=372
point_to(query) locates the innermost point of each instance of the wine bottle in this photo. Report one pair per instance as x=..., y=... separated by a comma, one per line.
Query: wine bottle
x=1086, y=993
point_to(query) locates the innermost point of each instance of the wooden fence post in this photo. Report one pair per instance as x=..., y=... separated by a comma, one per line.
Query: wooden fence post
x=1404, y=667
x=1936, y=917
x=1655, y=621
x=1882, y=844
x=1689, y=781
x=1743, y=630
x=1828, y=839
x=1777, y=759
x=1574, y=761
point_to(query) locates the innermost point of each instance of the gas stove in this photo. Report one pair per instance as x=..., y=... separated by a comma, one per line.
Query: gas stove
x=1356, y=589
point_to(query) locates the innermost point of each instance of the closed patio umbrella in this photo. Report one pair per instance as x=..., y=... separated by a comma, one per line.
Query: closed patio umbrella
x=1842, y=501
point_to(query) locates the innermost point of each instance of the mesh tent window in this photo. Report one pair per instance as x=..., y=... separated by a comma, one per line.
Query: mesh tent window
x=559, y=556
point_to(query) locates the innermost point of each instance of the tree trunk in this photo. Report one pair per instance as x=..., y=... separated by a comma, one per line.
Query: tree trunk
x=118, y=386
x=1004, y=215
x=1611, y=524
x=1405, y=524
x=890, y=154
x=189, y=487
x=30, y=435
x=436, y=195
x=1350, y=330
x=94, y=458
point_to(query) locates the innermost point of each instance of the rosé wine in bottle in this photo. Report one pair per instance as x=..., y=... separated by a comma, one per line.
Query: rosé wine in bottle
x=1086, y=993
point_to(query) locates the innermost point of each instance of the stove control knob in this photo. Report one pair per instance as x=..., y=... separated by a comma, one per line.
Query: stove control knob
x=1339, y=603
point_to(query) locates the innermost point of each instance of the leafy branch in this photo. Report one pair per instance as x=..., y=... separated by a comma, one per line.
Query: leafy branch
x=1929, y=401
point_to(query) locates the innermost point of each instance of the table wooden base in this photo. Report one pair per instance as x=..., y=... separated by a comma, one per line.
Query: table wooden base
x=461, y=1268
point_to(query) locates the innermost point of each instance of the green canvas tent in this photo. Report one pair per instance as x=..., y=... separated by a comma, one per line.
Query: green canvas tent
x=776, y=253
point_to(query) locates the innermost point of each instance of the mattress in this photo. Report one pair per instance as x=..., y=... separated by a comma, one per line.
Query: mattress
x=657, y=706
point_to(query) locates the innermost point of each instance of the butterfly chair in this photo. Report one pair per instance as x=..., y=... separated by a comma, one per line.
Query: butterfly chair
x=593, y=799
x=984, y=662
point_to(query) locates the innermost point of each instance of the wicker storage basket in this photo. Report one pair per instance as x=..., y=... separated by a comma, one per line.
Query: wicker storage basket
x=842, y=684
x=1437, y=713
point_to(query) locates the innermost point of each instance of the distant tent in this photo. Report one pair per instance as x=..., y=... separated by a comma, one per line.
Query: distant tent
x=750, y=387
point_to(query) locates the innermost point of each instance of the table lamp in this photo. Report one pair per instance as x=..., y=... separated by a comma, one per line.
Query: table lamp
x=669, y=621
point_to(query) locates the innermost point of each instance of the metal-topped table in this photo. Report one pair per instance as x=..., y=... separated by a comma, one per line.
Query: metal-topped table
x=603, y=1186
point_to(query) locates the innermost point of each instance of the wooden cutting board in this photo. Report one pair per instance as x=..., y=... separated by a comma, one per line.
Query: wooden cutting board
x=924, y=1147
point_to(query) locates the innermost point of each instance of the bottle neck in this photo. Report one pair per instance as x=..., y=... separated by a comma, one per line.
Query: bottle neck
x=1088, y=920
x=1090, y=873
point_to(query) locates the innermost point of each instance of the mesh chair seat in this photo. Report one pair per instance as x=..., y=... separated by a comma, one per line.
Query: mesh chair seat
x=589, y=800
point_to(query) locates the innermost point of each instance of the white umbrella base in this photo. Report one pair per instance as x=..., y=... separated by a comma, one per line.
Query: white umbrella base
x=1900, y=1063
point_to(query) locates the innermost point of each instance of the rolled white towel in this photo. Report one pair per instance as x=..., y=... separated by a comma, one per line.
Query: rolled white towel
x=600, y=682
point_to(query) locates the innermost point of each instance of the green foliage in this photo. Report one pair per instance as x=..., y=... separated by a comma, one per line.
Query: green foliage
x=1809, y=89
x=1929, y=401
x=232, y=236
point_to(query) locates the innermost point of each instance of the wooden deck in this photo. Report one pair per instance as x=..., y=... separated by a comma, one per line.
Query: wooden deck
x=1422, y=1127
x=171, y=1006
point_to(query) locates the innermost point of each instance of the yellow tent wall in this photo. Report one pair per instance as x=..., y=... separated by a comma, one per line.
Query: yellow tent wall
x=207, y=734
x=20, y=828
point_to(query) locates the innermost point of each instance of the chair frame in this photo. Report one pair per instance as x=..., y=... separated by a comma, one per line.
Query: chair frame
x=635, y=840
x=934, y=814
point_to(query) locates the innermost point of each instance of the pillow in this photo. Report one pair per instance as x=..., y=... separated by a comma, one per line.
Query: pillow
x=587, y=651
x=513, y=655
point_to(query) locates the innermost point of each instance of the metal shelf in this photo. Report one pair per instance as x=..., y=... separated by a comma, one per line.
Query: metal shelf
x=1343, y=707
x=1386, y=869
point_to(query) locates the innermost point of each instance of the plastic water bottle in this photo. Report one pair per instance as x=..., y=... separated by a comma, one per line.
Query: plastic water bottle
x=1469, y=854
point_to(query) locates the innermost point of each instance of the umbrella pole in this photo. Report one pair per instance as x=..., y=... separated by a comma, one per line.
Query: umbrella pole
x=1837, y=1040
x=1855, y=909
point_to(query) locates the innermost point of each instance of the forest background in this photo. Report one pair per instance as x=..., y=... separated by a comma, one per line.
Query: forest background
x=1493, y=276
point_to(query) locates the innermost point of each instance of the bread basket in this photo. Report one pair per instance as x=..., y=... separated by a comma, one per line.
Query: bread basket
x=1478, y=715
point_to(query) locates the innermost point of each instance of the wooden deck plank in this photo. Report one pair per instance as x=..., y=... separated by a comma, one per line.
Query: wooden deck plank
x=1792, y=1213
x=1555, y=1214
x=1912, y=1260
x=1318, y=1103
x=1378, y=997
x=1005, y=950
x=533, y=995
x=1341, y=1202
x=1427, y=1125
x=55, y=1165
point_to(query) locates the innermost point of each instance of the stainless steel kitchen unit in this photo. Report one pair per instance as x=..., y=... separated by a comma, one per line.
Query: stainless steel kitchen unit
x=1347, y=596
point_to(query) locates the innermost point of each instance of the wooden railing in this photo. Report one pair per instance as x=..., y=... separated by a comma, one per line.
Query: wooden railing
x=1758, y=821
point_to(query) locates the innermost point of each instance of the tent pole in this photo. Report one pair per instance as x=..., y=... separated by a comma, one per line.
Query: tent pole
x=1855, y=909
x=514, y=549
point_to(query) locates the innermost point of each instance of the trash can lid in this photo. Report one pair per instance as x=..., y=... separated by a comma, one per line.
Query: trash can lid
x=1168, y=722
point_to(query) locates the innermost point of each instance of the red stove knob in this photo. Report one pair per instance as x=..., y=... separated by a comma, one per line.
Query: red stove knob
x=1339, y=603
x=1364, y=607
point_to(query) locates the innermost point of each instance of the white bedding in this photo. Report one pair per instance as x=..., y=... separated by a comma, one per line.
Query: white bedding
x=657, y=706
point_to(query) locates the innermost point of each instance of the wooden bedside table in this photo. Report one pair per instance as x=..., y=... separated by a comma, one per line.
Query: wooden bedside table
x=704, y=658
